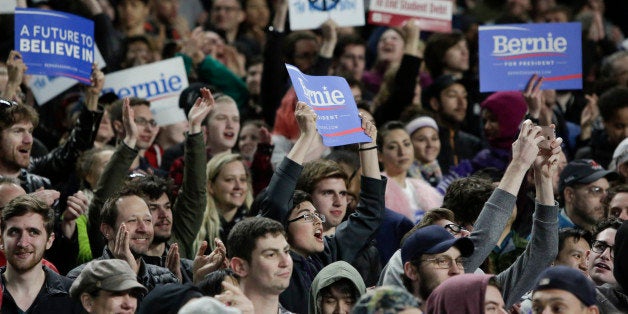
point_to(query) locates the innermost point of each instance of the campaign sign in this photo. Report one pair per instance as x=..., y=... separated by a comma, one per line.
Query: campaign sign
x=433, y=15
x=310, y=14
x=511, y=54
x=161, y=83
x=45, y=88
x=331, y=98
x=7, y=6
x=55, y=43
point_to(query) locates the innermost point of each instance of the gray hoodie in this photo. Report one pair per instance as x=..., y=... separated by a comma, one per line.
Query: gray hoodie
x=330, y=274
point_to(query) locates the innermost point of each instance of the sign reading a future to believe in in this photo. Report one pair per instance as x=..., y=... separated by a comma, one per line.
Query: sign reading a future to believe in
x=511, y=54
x=331, y=98
x=55, y=43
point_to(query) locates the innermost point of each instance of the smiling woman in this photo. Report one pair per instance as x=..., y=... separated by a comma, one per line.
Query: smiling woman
x=229, y=196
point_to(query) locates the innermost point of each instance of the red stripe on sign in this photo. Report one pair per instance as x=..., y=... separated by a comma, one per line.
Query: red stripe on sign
x=345, y=132
x=326, y=108
x=563, y=77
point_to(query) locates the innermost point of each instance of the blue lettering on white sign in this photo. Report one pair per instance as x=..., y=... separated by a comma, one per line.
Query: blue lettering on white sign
x=150, y=89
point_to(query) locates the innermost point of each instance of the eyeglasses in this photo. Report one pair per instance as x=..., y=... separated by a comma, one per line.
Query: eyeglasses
x=443, y=262
x=601, y=246
x=595, y=190
x=143, y=122
x=309, y=217
x=7, y=103
x=454, y=228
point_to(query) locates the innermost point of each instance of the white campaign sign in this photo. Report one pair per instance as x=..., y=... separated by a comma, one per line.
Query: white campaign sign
x=310, y=14
x=160, y=83
x=7, y=6
x=45, y=88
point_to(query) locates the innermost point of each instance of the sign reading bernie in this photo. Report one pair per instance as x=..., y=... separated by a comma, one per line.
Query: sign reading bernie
x=331, y=98
x=511, y=54
x=55, y=43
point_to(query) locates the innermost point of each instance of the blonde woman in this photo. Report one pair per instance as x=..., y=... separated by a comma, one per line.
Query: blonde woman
x=229, y=196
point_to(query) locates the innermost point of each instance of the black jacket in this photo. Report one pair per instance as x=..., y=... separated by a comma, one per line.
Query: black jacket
x=54, y=296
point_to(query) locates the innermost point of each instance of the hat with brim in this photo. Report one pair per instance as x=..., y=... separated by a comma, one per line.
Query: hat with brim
x=433, y=240
x=111, y=275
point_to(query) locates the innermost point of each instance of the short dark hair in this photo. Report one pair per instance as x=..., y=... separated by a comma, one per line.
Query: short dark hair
x=431, y=217
x=211, y=285
x=466, y=198
x=610, y=194
x=25, y=204
x=290, y=43
x=607, y=223
x=110, y=211
x=435, y=49
x=576, y=234
x=243, y=237
x=151, y=186
x=16, y=113
x=613, y=100
x=115, y=109
x=347, y=40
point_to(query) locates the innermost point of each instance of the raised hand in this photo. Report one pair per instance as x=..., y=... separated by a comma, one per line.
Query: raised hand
x=122, y=250
x=92, y=92
x=202, y=107
x=205, y=264
x=233, y=296
x=77, y=205
x=369, y=129
x=173, y=261
x=48, y=196
x=131, y=131
x=306, y=118
x=526, y=147
x=534, y=96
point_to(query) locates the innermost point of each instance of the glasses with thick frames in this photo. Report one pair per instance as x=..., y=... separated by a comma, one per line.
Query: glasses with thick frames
x=454, y=228
x=601, y=246
x=308, y=217
x=443, y=262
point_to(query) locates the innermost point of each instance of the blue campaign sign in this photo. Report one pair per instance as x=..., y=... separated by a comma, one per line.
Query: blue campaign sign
x=331, y=98
x=55, y=43
x=511, y=54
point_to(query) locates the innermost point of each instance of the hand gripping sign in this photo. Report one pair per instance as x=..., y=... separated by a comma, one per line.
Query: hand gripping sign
x=510, y=54
x=331, y=98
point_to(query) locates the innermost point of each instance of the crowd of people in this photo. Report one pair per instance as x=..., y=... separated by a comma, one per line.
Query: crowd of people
x=461, y=202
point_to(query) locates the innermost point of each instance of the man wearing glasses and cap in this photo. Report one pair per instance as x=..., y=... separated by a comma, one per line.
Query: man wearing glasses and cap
x=583, y=184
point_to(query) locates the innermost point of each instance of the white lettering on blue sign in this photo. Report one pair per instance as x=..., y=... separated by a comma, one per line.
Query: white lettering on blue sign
x=504, y=46
x=324, y=97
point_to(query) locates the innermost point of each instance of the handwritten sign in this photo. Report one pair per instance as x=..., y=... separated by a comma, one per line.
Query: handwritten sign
x=433, y=15
x=310, y=14
x=511, y=54
x=45, y=88
x=55, y=43
x=331, y=98
x=160, y=83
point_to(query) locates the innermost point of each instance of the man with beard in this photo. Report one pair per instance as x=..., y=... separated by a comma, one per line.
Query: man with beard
x=447, y=97
x=27, y=285
x=583, y=185
x=127, y=226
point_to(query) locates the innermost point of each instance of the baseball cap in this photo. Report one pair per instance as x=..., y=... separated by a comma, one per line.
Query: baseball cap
x=110, y=275
x=431, y=240
x=567, y=279
x=584, y=171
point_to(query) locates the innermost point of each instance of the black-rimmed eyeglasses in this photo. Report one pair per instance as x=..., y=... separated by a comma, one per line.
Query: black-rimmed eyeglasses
x=309, y=217
x=454, y=228
x=601, y=246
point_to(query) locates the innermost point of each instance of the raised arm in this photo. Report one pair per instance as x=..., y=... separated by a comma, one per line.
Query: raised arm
x=277, y=201
x=497, y=210
x=541, y=251
x=15, y=69
x=113, y=177
x=191, y=202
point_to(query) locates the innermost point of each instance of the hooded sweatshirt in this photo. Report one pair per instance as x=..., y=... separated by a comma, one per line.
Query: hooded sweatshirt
x=330, y=274
x=462, y=294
